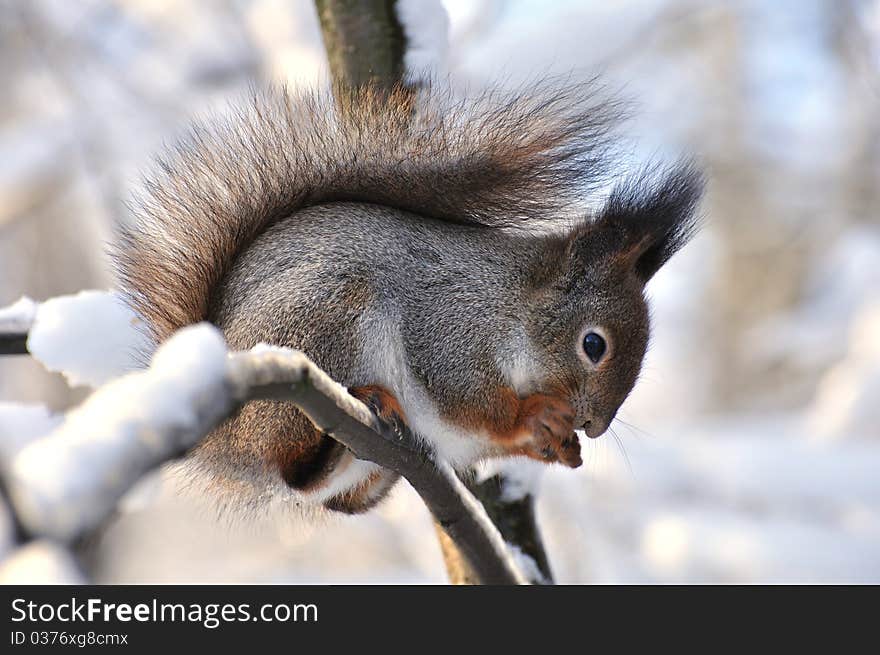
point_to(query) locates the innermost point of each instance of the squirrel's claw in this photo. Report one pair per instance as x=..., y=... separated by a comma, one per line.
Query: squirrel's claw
x=548, y=426
x=570, y=451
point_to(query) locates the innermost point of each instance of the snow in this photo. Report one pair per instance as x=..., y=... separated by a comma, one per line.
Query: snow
x=527, y=564
x=31, y=166
x=521, y=477
x=847, y=399
x=426, y=26
x=21, y=424
x=90, y=337
x=18, y=316
x=125, y=428
x=744, y=501
x=40, y=562
x=263, y=348
x=843, y=279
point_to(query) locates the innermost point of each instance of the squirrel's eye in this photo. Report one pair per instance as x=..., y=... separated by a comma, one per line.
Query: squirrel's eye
x=594, y=346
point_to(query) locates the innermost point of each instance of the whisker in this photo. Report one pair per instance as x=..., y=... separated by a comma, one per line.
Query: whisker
x=623, y=452
x=637, y=431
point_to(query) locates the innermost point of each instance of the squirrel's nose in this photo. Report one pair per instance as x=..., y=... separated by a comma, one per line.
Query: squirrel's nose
x=594, y=428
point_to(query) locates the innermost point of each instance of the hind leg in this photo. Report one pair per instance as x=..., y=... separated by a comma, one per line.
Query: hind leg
x=368, y=493
x=364, y=496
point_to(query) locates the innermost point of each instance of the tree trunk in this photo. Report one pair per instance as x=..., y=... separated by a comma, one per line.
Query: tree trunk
x=364, y=40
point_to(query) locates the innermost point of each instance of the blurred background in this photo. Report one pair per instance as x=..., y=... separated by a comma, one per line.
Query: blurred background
x=750, y=450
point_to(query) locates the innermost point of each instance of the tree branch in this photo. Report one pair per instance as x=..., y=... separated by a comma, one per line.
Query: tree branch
x=514, y=516
x=13, y=343
x=515, y=519
x=64, y=485
x=278, y=375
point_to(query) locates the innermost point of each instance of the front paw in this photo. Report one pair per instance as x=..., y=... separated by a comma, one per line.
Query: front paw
x=548, y=427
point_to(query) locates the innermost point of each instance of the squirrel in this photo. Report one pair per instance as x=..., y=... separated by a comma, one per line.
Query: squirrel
x=431, y=255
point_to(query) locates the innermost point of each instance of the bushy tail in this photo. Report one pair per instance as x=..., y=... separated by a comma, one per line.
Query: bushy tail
x=495, y=160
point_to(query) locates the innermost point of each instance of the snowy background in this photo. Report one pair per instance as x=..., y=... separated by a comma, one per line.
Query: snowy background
x=749, y=452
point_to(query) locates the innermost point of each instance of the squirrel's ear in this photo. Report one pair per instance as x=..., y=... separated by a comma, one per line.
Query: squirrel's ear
x=645, y=222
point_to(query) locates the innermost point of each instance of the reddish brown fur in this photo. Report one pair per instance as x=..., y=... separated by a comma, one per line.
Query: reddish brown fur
x=539, y=426
x=364, y=496
x=381, y=401
x=276, y=437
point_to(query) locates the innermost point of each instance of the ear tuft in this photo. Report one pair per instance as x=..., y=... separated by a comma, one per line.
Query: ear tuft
x=654, y=216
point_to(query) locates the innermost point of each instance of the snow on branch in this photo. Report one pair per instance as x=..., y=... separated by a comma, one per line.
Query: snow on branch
x=89, y=337
x=64, y=485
